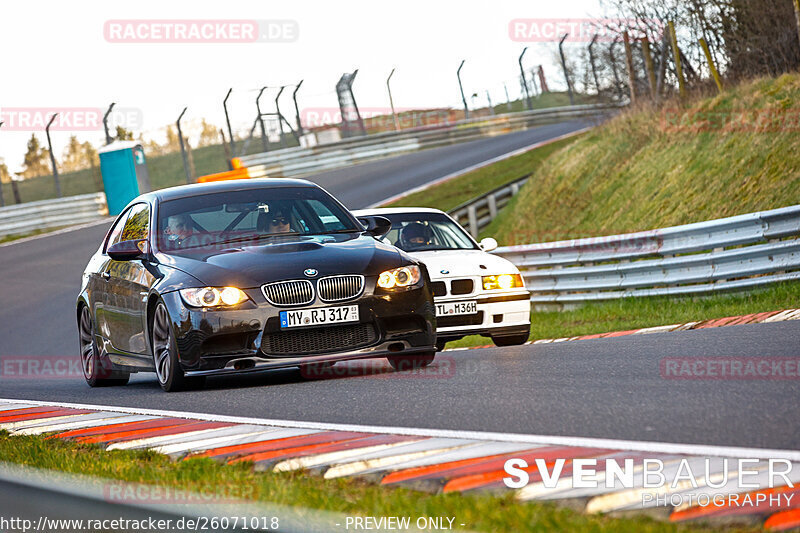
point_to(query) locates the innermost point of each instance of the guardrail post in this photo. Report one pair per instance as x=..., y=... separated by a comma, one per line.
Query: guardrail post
x=297, y=109
x=711, y=66
x=524, y=81
x=109, y=140
x=461, y=88
x=491, y=200
x=264, y=140
x=53, y=157
x=472, y=215
x=629, y=64
x=514, y=189
x=183, y=147
x=564, y=66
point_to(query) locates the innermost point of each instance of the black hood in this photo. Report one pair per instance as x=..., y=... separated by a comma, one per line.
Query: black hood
x=282, y=258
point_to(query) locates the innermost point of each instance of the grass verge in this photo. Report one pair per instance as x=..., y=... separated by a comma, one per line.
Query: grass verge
x=634, y=313
x=479, y=512
x=452, y=193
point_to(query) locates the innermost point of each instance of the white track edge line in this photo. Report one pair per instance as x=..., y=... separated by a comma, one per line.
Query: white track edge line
x=476, y=166
x=642, y=446
x=58, y=232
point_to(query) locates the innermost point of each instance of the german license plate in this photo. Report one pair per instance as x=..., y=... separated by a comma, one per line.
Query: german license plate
x=319, y=316
x=456, y=308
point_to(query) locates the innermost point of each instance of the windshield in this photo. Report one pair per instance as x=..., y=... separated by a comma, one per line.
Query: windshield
x=414, y=232
x=249, y=216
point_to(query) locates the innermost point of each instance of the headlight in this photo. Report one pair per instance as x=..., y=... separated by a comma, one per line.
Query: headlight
x=503, y=281
x=399, y=277
x=213, y=297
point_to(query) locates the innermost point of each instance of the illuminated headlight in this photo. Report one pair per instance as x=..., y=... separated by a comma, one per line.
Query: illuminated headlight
x=213, y=297
x=503, y=281
x=399, y=277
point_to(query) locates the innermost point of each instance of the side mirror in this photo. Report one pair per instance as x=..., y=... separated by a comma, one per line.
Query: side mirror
x=128, y=250
x=488, y=244
x=376, y=226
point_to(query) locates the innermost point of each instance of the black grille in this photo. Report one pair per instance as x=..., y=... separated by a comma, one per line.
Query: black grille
x=439, y=288
x=338, y=288
x=461, y=286
x=319, y=340
x=459, y=320
x=296, y=292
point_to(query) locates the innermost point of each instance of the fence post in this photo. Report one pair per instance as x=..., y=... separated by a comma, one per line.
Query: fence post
x=591, y=62
x=228, y=120
x=564, y=66
x=53, y=157
x=613, y=58
x=105, y=123
x=711, y=66
x=629, y=64
x=797, y=17
x=297, y=109
x=461, y=88
x=183, y=148
x=264, y=141
x=524, y=81
x=676, y=53
x=648, y=64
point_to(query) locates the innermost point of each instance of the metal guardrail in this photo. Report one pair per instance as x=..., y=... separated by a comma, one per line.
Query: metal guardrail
x=48, y=214
x=730, y=253
x=477, y=213
x=295, y=162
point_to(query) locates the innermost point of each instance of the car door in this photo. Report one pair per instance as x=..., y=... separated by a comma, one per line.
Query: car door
x=128, y=284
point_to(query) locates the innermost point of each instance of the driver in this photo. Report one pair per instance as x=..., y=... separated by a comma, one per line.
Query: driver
x=415, y=235
x=279, y=222
x=179, y=228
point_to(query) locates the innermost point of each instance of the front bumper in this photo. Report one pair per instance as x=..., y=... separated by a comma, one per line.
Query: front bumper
x=500, y=313
x=235, y=340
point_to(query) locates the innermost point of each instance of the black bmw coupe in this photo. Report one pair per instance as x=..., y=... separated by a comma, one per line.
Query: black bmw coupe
x=247, y=275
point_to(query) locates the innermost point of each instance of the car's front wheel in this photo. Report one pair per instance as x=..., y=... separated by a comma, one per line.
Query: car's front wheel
x=411, y=362
x=165, y=354
x=97, y=370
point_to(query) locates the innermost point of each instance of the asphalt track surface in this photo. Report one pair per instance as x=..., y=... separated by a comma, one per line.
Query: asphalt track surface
x=608, y=388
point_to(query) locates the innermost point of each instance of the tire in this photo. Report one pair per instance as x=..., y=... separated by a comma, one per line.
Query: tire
x=97, y=370
x=512, y=340
x=440, y=345
x=411, y=362
x=165, y=354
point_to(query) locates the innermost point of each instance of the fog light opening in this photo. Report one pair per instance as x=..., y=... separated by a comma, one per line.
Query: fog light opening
x=396, y=347
x=244, y=364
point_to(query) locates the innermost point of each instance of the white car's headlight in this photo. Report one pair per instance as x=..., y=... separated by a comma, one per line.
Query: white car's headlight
x=503, y=281
x=213, y=297
x=399, y=278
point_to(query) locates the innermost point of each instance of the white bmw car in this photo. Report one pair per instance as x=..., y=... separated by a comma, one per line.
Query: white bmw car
x=475, y=292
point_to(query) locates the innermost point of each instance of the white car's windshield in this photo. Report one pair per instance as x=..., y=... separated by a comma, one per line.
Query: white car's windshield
x=414, y=232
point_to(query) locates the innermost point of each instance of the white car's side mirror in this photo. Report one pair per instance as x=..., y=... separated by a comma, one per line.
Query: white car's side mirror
x=488, y=244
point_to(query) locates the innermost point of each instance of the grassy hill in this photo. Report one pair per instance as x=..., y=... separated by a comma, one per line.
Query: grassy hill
x=725, y=155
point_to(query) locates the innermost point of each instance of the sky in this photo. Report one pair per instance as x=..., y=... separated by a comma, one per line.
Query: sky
x=66, y=56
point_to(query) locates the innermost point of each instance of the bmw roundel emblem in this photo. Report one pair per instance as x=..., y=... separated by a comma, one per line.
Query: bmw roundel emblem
x=444, y=271
x=310, y=272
